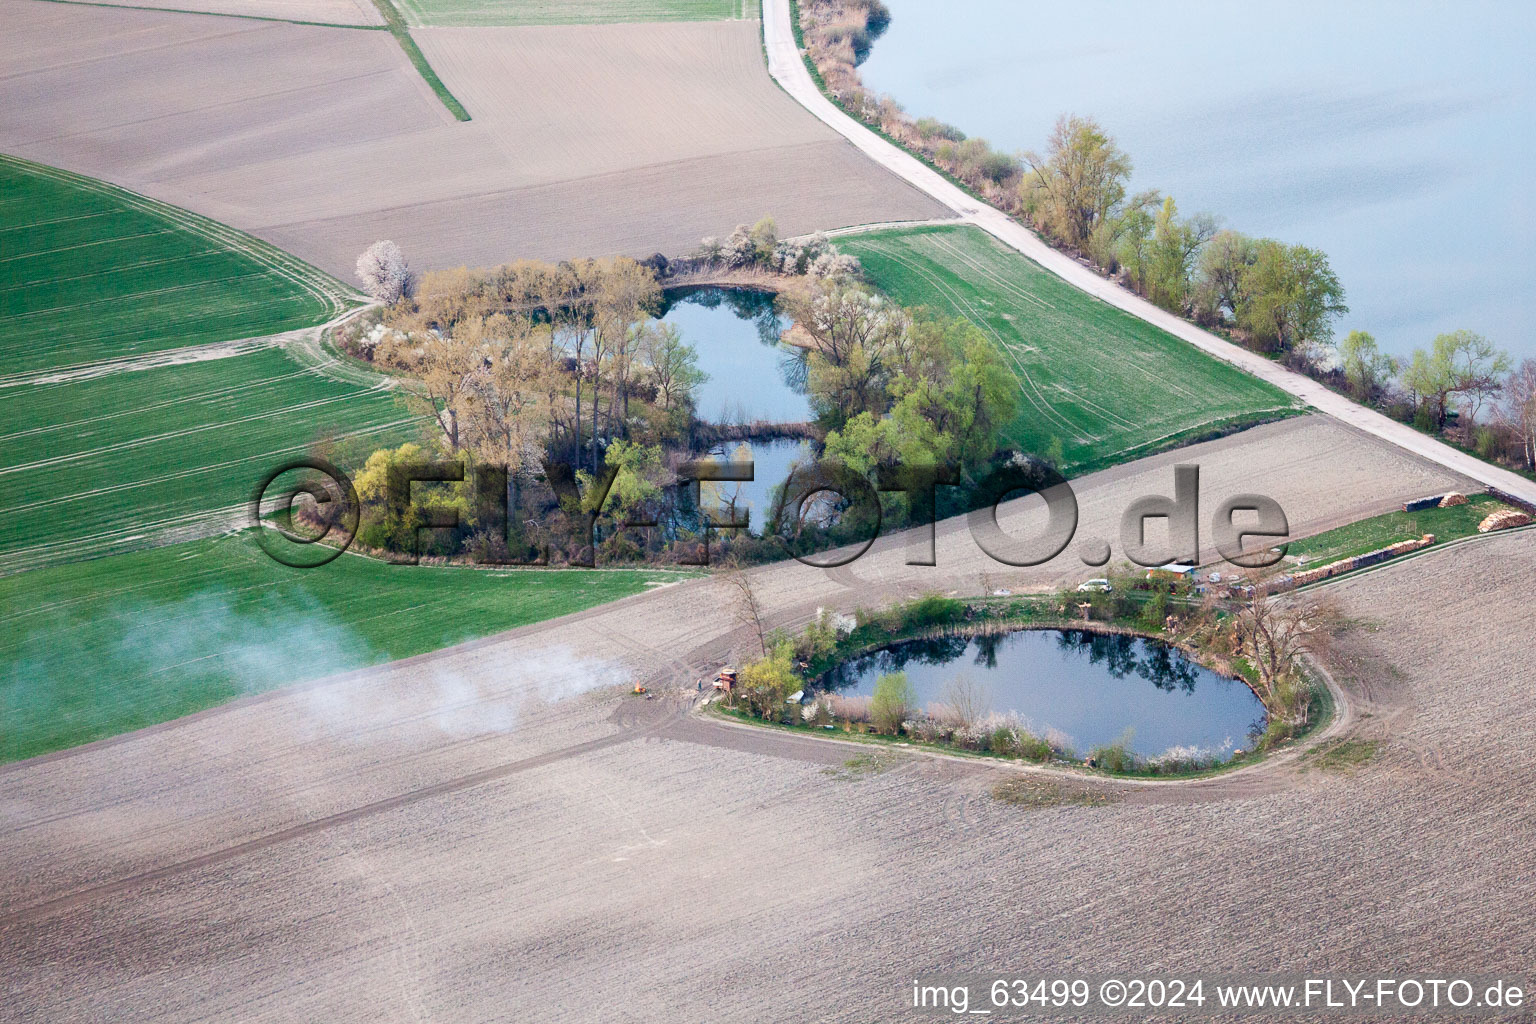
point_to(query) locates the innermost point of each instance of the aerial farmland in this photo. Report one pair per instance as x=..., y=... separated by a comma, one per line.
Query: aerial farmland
x=556, y=509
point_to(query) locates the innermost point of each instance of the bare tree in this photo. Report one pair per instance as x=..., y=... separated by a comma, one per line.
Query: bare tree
x=1518, y=409
x=747, y=608
x=967, y=700
x=1272, y=635
x=384, y=272
x=504, y=397
x=442, y=365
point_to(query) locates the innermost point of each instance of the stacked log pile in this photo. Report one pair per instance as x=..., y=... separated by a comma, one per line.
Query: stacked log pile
x=1370, y=558
x=1504, y=519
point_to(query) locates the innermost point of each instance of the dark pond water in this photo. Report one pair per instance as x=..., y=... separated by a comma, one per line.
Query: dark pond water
x=1395, y=137
x=752, y=375
x=1078, y=688
x=771, y=464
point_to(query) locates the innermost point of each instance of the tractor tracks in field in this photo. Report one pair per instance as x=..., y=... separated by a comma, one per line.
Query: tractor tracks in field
x=650, y=719
x=305, y=345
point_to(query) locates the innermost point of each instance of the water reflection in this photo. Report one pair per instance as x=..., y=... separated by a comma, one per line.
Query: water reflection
x=1091, y=687
x=752, y=376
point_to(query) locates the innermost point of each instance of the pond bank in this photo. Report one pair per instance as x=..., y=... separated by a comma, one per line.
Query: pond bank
x=829, y=643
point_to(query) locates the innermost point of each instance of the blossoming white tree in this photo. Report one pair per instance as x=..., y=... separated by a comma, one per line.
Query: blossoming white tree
x=383, y=271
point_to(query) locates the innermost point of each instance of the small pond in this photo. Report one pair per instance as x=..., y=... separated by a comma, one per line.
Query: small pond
x=1077, y=688
x=752, y=374
x=771, y=464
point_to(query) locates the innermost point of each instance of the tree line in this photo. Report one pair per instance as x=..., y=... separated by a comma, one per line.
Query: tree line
x=562, y=378
x=1278, y=298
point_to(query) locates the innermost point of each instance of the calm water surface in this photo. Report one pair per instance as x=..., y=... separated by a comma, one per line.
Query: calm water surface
x=772, y=462
x=1395, y=136
x=1092, y=688
x=752, y=375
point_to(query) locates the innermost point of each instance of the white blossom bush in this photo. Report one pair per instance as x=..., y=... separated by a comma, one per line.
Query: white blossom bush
x=385, y=275
x=835, y=265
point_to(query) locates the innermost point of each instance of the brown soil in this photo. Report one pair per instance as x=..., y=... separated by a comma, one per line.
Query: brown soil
x=398, y=844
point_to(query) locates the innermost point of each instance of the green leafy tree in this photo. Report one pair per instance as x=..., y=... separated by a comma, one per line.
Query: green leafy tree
x=1291, y=297
x=1078, y=182
x=764, y=235
x=892, y=703
x=393, y=525
x=1175, y=245
x=1458, y=364
x=1223, y=269
x=636, y=470
x=1134, y=251
x=1365, y=366
x=764, y=684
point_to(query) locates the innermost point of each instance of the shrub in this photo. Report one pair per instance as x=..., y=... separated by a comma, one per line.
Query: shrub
x=1033, y=748
x=894, y=698
x=1116, y=756
x=930, y=611
x=929, y=128
x=765, y=683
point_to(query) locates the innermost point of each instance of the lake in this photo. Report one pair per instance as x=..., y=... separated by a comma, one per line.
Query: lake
x=1394, y=136
x=1091, y=688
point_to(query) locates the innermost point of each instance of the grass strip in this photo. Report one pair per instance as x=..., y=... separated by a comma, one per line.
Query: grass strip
x=402, y=33
x=1447, y=524
x=1098, y=386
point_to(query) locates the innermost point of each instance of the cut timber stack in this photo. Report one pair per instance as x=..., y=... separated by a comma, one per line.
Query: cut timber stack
x=1370, y=558
x=1503, y=519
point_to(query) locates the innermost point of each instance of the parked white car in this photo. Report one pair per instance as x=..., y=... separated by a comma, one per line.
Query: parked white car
x=1100, y=585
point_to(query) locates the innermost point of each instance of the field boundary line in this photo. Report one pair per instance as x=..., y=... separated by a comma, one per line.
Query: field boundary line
x=397, y=26
x=219, y=14
x=1410, y=556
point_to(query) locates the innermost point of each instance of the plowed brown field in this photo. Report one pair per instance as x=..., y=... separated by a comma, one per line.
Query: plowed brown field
x=330, y=12
x=585, y=140
x=429, y=841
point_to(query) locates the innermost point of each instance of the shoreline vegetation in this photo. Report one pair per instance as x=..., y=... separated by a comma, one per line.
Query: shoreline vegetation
x=542, y=366
x=1278, y=299
x=564, y=375
x=1262, y=645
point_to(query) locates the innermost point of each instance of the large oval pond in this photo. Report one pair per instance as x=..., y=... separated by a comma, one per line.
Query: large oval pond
x=1077, y=688
x=751, y=374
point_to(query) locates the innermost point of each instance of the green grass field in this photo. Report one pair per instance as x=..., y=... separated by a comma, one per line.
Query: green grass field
x=1099, y=386
x=102, y=457
x=88, y=463
x=89, y=271
x=97, y=648
x=1382, y=531
x=479, y=13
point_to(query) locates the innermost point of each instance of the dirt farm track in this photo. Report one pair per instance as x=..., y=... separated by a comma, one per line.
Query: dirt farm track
x=324, y=140
x=398, y=845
